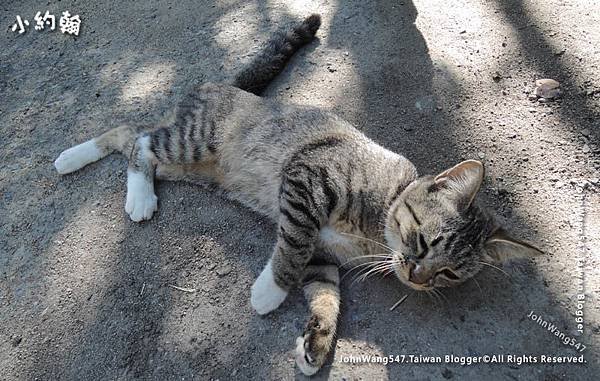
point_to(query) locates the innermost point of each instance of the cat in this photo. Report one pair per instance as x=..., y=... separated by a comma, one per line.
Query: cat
x=338, y=198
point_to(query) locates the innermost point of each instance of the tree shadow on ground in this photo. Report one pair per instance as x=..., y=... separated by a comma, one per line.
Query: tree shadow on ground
x=403, y=106
x=113, y=323
x=576, y=105
x=128, y=323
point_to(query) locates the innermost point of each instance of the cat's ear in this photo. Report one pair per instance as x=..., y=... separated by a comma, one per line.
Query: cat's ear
x=501, y=247
x=461, y=182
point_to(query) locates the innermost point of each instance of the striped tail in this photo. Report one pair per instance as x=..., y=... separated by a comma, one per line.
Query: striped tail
x=277, y=52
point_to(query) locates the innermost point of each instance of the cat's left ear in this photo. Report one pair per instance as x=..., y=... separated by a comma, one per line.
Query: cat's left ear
x=461, y=182
x=501, y=247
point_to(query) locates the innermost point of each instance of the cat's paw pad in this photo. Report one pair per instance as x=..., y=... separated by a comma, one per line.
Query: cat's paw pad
x=306, y=363
x=141, y=201
x=266, y=295
x=77, y=157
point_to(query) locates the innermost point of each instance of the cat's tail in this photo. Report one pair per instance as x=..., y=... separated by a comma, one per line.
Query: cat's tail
x=254, y=78
x=278, y=50
x=119, y=139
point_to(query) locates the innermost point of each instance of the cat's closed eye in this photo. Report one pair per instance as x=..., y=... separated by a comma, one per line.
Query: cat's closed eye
x=436, y=240
x=448, y=273
x=424, y=247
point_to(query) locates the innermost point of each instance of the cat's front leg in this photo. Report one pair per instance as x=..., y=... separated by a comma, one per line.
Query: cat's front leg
x=293, y=250
x=297, y=232
x=322, y=293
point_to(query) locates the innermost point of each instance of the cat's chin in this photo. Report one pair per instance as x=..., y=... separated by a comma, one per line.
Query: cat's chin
x=417, y=287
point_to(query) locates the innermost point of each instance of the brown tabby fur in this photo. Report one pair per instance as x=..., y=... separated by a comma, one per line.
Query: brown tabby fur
x=337, y=197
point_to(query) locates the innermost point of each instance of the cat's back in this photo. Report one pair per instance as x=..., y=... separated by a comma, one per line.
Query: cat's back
x=247, y=116
x=254, y=130
x=259, y=137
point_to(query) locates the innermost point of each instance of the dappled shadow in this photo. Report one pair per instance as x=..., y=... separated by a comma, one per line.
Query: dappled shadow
x=100, y=305
x=576, y=107
x=118, y=318
x=411, y=105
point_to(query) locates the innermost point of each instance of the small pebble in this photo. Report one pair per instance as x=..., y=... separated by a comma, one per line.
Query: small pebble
x=547, y=88
x=224, y=271
x=16, y=341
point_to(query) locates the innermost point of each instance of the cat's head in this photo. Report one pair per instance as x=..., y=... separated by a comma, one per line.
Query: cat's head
x=440, y=236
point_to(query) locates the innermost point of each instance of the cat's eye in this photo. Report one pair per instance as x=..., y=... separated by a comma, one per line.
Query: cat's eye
x=422, y=242
x=446, y=272
x=424, y=247
x=436, y=241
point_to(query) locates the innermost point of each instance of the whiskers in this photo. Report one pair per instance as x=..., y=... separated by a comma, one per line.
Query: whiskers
x=437, y=296
x=376, y=264
x=381, y=263
x=494, y=267
x=478, y=286
x=370, y=240
x=359, y=258
x=382, y=268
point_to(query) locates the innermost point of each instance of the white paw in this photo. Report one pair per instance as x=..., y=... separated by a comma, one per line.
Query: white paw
x=77, y=157
x=266, y=295
x=301, y=360
x=141, y=201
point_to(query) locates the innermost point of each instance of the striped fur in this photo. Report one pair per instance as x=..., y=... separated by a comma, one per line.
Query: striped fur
x=275, y=54
x=334, y=194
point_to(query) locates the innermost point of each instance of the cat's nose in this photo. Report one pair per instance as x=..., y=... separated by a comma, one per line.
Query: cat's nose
x=418, y=274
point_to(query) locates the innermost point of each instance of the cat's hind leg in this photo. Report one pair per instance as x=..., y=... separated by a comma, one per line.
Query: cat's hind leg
x=141, y=201
x=118, y=139
x=178, y=149
x=321, y=289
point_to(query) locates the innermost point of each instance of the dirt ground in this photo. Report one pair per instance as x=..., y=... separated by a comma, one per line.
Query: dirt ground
x=85, y=293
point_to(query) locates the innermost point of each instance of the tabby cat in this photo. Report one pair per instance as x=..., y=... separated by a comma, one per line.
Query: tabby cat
x=337, y=197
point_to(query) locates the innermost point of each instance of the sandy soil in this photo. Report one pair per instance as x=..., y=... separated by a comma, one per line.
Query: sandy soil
x=84, y=292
